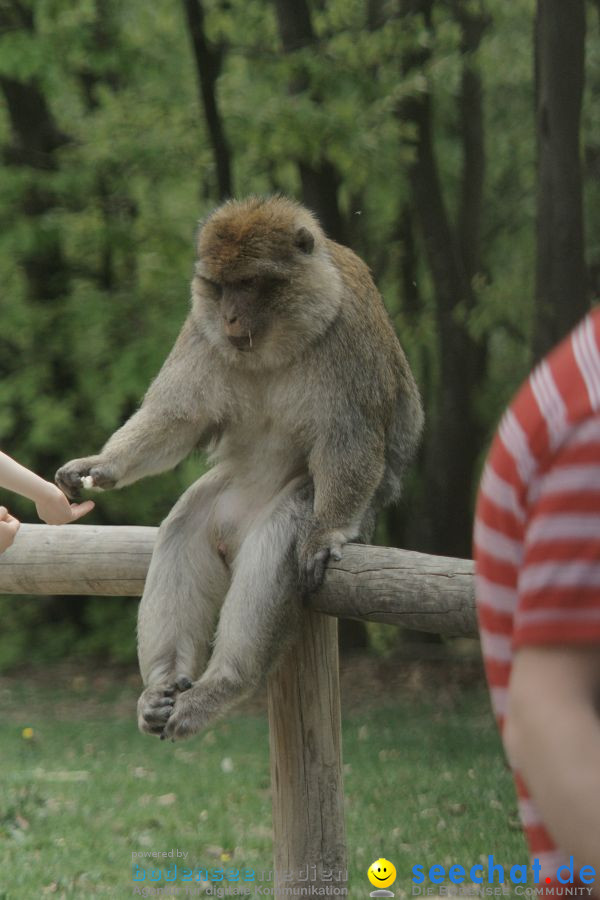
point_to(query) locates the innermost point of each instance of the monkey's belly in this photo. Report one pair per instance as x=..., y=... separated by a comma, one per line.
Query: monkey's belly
x=222, y=551
x=242, y=506
x=235, y=511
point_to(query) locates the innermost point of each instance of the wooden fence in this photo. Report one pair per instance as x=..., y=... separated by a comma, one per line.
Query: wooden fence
x=376, y=584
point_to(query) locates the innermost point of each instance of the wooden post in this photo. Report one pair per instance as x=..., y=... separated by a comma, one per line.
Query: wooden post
x=306, y=761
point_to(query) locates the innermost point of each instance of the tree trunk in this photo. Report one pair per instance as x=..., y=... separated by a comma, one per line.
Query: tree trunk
x=320, y=180
x=560, y=295
x=36, y=138
x=208, y=61
x=453, y=259
x=470, y=107
x=119, y=210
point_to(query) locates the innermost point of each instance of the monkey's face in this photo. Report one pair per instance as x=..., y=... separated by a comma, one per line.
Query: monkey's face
x=241, y=311
x=264, y=284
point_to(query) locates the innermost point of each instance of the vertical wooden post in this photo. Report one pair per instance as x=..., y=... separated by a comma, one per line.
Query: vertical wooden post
x=306, y=761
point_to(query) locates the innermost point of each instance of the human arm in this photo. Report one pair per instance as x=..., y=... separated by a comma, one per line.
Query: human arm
x=51, y=504
x=552, y=736
x=8, y=528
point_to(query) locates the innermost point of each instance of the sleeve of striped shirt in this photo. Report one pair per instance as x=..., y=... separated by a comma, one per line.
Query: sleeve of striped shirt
x=559, y=580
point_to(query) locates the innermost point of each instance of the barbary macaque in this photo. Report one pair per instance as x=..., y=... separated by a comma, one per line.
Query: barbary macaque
x=288, y=370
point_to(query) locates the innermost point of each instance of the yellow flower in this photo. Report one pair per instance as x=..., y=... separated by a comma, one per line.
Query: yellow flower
x=27, y=734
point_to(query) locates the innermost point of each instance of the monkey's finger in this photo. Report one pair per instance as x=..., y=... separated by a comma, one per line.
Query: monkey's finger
x=68, y=479
x=103, y=477
x=183, y=683
x=315, y=572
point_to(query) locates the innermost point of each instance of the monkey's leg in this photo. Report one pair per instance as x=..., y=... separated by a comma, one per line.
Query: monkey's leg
x=186, y=583
x=259, y=618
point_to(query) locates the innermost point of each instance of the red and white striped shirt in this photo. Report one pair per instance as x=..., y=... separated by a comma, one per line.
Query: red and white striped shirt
x=537, y=529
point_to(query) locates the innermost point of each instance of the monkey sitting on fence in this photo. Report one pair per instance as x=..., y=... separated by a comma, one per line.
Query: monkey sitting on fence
x=288, y=369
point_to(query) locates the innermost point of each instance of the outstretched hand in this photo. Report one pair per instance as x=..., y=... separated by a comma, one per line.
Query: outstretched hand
x=8, y=528
x=54, y=508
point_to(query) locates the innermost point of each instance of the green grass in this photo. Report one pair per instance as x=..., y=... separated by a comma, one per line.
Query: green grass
x=425, y=783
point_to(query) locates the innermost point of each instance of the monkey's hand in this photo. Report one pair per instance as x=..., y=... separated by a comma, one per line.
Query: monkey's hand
x=101, y=472
x=314, y=551
x=156, y=704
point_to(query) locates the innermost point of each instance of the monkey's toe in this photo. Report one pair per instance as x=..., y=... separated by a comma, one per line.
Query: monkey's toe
x=183, y=683
x=179, y=729
x=155, y=706
x=180, y=726
x=189, y=716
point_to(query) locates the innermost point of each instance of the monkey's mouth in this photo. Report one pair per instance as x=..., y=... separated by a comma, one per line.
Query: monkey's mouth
x=243, y=343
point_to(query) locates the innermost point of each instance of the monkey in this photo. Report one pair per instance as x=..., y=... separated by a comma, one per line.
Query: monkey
x=287, y=370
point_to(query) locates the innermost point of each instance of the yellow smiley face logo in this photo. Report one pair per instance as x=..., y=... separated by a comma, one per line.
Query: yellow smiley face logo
x=381, y=873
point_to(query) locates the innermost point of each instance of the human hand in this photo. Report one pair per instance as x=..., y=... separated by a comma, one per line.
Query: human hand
x=54, y=508
x=8, y=528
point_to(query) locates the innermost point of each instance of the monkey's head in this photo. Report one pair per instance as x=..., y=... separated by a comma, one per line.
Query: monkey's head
x=264, y=285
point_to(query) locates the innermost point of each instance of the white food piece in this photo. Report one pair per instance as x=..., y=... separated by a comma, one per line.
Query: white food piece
x=87, y=481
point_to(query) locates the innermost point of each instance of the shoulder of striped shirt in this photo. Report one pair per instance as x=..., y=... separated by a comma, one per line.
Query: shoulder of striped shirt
x=562, y=413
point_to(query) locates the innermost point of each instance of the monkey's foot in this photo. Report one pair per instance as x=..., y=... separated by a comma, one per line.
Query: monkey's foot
x=156, y=704
x=196, y=708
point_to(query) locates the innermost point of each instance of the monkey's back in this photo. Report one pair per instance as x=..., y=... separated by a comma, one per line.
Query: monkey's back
x=380, y=383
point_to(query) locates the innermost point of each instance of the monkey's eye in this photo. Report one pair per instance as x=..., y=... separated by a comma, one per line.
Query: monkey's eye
x=245, y=284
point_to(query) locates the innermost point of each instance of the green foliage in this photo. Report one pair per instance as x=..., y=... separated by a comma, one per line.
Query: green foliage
x=117, y=205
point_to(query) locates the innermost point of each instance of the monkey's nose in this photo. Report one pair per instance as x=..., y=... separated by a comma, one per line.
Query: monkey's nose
x=233, y=327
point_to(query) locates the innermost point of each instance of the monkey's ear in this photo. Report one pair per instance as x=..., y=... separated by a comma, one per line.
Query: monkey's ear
x=305, y=240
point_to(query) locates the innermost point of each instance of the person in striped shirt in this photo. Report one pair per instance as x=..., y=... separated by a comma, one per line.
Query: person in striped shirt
x=537, y=557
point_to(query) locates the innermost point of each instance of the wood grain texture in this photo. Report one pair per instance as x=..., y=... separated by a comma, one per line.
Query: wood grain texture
x=378, y=584
x=306, y=761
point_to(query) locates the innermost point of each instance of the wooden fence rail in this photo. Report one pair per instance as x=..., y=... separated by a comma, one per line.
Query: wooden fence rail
x=377, y=584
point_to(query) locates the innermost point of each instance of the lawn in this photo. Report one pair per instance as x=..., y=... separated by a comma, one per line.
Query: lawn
x=425, y=783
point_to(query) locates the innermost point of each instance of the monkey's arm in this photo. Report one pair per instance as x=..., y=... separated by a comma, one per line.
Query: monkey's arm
x=347, y=464
x=170, y=422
